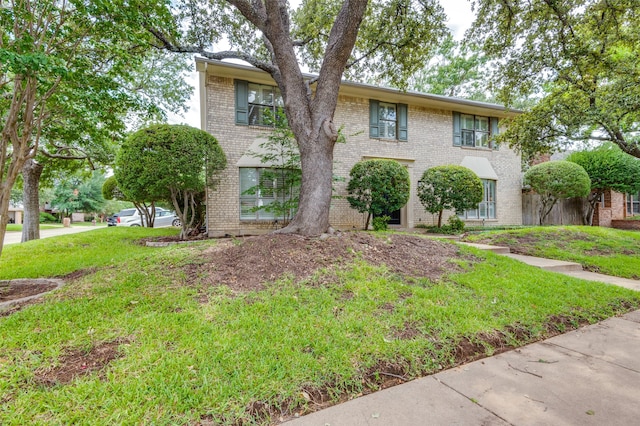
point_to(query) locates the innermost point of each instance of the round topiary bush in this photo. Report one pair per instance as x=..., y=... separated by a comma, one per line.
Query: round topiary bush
x=556, y=180
x=377, y=187
x=449, y=188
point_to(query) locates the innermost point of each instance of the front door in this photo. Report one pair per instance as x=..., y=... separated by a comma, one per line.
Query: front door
x=395, y=217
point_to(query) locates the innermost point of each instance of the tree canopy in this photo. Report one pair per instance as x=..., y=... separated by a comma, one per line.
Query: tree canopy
x=581, y=57
x=169, y=162
x=556, y=180
x=391, y=39
x=608, y=168
x=66, y=70
x=449, y=187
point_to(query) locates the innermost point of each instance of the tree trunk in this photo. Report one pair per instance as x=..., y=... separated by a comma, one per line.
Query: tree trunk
x=31, y=172
x=316, y=159
x=440, y=219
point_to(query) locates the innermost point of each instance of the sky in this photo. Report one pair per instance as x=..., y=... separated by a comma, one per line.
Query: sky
x=460, y=18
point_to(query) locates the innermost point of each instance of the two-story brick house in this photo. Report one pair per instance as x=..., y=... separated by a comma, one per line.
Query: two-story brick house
x=418, y=130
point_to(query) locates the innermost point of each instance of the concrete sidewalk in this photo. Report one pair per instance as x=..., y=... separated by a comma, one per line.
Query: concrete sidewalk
x=16, y=237
x=589, y=376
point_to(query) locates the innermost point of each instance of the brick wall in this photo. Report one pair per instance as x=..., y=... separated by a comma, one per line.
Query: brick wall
x=614, y=209
x=429, y=144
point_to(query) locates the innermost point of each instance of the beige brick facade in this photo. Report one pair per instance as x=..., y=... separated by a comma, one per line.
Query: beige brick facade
x=429, y=143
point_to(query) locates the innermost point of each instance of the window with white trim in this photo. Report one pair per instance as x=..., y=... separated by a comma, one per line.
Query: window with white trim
x=388, y=120
x=253, y=101
x=633, y=204
x=487, y=207
x=474, y=131
x=260, y=187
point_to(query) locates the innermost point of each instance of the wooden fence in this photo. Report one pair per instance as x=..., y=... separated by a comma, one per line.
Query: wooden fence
x=565, y=212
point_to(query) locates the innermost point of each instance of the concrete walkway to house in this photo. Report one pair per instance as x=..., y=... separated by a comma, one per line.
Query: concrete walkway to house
x=16, y=237
x=589, y=376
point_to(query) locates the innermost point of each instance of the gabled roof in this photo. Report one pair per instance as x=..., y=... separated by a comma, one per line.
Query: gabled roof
x=349, y=88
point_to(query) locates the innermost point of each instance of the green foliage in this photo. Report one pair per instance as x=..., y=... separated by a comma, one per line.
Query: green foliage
x=381, y=223
x=282, y=179
x=47, y=218
x=608, y=168
x=169, y=162
x=579, y=57
x=458, y=70
x=556, y=180
x=378, y=187
x=78, y=194
x=456, y=224
x=449, y=188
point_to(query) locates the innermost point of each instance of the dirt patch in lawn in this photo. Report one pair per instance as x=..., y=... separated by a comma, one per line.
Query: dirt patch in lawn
x=12, y=290
x=80, y=362
x=247, y=264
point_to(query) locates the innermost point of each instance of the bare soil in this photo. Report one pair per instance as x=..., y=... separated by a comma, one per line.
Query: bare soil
x=248, y=264
x=10, y=291
x=77, y=363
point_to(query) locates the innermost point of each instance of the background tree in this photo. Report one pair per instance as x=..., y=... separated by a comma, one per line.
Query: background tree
x=586, y=56
x=46, y=49
x=377, y=187
x=82, y=131
x=78, y=193
x=172, y=162
x=393, y=37
x=449, y=188
x=459, y=70
x=557, y=180
x=609, y=169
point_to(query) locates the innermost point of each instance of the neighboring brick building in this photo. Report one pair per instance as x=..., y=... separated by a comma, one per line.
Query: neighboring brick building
x=417, y=130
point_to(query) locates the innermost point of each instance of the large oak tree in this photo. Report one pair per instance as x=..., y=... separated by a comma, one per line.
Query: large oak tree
x=581, y=58
x=390, y=38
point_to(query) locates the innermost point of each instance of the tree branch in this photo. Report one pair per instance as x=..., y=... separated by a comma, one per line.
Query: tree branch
x=229, y=54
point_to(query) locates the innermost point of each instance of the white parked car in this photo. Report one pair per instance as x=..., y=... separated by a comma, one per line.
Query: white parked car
x=131, y=217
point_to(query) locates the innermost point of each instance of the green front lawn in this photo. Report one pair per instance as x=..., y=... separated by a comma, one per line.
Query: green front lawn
x=606, y=250
x=191, y=353
x=12, y=227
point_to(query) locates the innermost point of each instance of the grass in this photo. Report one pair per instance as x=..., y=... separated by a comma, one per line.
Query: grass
x=606, y=250
x=52, y=257
x=186, y=361
x=13, y=227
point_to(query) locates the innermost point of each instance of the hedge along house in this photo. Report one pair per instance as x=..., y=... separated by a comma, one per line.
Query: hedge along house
x=418, y=130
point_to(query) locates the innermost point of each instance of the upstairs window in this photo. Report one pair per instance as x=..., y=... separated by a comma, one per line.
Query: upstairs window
x=474, y=131
x=387, y=120
x=254, y=100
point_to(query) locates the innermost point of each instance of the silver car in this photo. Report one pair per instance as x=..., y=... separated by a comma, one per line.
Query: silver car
x=131, y=217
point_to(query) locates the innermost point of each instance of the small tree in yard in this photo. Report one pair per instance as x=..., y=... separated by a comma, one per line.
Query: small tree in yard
x=608, y=167
x=555, y=180
x=449, y=187
x=172, y=162
x=283, y=178
x=377, y=187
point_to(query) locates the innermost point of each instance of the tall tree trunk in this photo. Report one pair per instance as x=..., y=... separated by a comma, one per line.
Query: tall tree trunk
x=31, y=172
x=316, y=159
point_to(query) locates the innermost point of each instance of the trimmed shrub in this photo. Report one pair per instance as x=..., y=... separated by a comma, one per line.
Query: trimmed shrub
x=449, y=187
x=47, y=218
x=556, y=180
x=378, y=187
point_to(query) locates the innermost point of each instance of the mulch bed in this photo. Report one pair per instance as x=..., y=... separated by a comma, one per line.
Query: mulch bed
x=247, y=264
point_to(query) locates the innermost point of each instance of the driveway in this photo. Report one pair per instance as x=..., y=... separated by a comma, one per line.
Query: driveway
x=15, y=237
